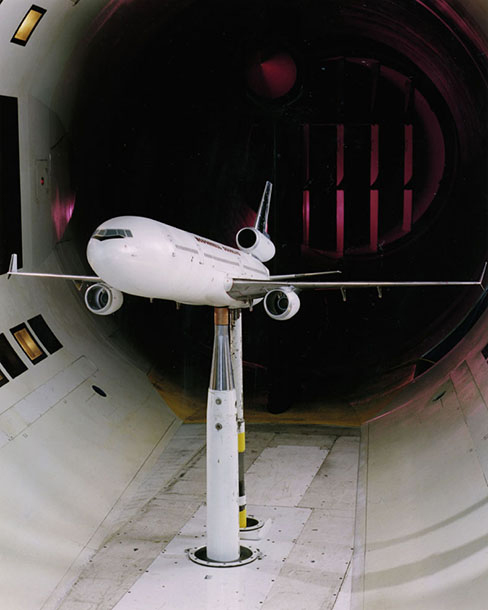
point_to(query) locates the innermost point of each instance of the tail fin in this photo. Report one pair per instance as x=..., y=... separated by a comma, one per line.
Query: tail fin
x=255, y=240
x=261, y=223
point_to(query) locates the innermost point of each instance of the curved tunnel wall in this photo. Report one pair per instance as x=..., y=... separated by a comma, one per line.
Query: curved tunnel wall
x=420, y=536
x=80, y=446
x=67, y=453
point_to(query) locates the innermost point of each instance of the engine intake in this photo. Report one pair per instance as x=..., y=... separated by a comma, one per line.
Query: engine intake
x=254, y=242
x=281, y=304
x=103, y=300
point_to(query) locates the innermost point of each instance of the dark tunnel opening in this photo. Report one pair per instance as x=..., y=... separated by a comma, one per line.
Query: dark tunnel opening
x=370, y=120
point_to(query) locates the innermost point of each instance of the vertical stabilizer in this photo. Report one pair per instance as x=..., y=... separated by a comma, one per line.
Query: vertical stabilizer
x=262, y=219
x=255, y=240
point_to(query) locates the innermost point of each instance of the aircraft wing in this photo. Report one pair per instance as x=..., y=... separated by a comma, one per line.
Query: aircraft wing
x=77, y=278
x=296, y=276
x=255, y=289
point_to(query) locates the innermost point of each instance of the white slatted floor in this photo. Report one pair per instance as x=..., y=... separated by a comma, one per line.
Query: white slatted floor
x=302, y=481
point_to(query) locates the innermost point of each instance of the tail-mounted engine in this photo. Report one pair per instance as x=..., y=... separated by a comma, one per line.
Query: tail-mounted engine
x=103, y=300
x=254, y=242
x=281, y=304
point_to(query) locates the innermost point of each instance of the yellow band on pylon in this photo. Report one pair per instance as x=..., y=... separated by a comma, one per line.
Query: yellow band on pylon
x=241, y=442
x=242, y=518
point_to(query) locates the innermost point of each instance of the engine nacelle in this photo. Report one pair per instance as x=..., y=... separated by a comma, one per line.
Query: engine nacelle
x=254, y=242
x=281, y=304
x=103, y=300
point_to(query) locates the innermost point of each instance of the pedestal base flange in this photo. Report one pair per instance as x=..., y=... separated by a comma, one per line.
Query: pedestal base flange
x=199, y=555
x=252, y=524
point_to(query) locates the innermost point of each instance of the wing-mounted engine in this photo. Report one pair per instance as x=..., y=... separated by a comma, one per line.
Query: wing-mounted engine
x=281, y=304
x=255, y=240
x=103, y=300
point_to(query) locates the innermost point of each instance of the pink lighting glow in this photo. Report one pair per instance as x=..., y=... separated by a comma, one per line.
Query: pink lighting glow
x=373, y=221
x=340, y=154
x=105, y=15
x=61, y=212
x=408, y=165
x=374, y=196
x=340, y=193
x=375, y=136
x=340, y=223
x=306, y=217
x=306, y=193
x=407, y=210
x=273, y=77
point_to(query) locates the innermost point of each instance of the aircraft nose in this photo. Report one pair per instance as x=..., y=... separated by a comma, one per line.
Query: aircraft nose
x=106, y=250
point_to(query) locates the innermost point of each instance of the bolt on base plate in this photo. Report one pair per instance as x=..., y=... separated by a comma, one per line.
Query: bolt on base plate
x=199, y=555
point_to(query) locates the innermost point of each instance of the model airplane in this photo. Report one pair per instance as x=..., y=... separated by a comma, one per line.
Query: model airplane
x=150, y=259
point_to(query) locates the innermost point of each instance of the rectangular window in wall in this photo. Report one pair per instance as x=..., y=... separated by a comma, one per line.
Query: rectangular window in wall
x=10, y=220
x=28, y=25
x=45, y=334
x=29, y=345
x=3, y=379
x=9, y=359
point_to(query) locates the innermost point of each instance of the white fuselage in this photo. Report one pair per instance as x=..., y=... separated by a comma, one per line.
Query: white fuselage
x=147, y=258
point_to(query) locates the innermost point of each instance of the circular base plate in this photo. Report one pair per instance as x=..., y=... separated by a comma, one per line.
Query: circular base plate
x=199, y=555
x=252, y=525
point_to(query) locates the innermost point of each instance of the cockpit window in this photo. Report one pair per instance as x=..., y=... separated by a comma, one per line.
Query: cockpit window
x=103, y=234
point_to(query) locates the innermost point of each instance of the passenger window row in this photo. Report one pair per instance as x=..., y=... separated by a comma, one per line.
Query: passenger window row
x=35, y=339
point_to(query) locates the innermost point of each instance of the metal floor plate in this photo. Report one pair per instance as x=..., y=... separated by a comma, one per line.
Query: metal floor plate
x=173, y=581
x=300, y=480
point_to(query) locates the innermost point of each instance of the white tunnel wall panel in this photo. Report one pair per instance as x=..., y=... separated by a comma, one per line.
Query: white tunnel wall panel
x=47, y=194
x=423, y=501
x=67, y=454
x=38, y=229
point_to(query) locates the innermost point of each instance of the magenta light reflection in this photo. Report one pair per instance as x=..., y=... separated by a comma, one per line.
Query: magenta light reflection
x=61, y=212
x=306, y=192
x=375, y=148
x=408, y=164
x=407, y=177
x=104, y=16
x=272, y=77
x=373, y=202
x=306, y=217
x=373, y=221
x=340, y=155
x=407, y=210
x=340, y=223
x=340, y=192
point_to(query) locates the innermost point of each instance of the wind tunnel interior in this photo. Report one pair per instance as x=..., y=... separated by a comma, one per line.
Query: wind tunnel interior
x=369, y=119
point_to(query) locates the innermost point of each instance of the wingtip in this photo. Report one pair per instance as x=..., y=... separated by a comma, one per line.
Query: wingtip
x=13, y=266
x=482, y=278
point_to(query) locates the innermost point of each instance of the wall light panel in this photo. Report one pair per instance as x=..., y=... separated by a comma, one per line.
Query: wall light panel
x=28, y=25
x=28, y=344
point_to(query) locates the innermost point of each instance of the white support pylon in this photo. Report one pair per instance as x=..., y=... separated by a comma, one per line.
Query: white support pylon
x=237, y=369
x=223, y=543
x=247, y=523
